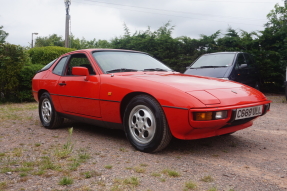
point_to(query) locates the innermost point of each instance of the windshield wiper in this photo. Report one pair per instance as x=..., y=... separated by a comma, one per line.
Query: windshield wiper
x=208, y=67
x=155, y=69
x=121, y=70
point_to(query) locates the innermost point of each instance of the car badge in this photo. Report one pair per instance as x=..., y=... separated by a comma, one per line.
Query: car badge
x=234, y=91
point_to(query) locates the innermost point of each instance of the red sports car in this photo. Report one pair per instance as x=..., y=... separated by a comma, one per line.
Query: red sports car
x=132, y=91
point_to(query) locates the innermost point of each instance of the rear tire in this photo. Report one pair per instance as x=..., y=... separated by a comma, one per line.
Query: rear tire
x=49, y=117
x=145, y=124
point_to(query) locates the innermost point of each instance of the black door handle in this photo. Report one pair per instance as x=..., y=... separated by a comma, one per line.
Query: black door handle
x=62, y=84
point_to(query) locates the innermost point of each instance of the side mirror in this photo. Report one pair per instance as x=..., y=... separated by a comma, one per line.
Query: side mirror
x=81, y=71
x=242, y=66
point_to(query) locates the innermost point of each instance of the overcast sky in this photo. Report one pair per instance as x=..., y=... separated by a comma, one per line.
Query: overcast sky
x=104, y=19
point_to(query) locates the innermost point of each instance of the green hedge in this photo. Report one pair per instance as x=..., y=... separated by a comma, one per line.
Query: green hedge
x=44, y=55
x=12, y=59
x=25, y=87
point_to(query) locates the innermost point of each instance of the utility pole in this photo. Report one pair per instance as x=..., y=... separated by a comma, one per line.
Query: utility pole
x=67, y=39
x=34, y=33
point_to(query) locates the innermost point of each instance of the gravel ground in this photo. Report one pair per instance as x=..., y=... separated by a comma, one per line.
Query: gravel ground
x=91, y=158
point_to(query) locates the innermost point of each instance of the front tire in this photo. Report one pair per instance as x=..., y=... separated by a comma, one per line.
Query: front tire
x=49, y=117
x=145, y=124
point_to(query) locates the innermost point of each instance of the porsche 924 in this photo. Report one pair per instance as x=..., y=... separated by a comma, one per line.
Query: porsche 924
x=132, y=91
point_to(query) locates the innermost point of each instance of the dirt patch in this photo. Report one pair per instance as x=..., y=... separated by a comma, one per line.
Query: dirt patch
x=92, y=158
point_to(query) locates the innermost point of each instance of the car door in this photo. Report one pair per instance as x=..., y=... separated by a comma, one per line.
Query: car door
x=252, y=71
x=76, y=95
x=241, y=70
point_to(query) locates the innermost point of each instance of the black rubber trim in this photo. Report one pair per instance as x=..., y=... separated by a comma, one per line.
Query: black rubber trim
x=266, y=108
x=233, y=115
x=86, y=98
x=175, y=107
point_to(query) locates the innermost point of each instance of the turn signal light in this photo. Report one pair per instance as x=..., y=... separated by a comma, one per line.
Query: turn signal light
x=207, y=116
x=203, y=116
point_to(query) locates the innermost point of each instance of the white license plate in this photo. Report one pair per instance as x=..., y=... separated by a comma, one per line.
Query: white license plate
x=247, y=112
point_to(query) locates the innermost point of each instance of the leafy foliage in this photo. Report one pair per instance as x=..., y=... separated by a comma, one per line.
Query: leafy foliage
x=51, y=40
x=75, y=43
x=3, y=35
x=12, y=59
x=25, y=87
x=44, y=55
x=273, y=49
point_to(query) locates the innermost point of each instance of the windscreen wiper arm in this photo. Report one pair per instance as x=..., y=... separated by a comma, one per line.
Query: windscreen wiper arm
x=155, y=69
x=208, y=67
x=121, y=70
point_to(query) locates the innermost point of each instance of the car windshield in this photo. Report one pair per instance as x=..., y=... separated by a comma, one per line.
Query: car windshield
x=214, y=60
x=48, y=65
x=116, y=61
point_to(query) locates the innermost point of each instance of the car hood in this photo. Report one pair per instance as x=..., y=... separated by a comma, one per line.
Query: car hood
x=207, y=90
x=211, y=72
x=186, y=83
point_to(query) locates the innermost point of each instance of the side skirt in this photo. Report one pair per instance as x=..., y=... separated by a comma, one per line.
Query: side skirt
x=95, y=122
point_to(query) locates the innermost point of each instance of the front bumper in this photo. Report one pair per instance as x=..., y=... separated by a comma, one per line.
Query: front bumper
x=203, y=129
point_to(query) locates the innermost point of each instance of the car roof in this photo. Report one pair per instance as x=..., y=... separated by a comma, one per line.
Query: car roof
x=102, y=50
x=223, y=53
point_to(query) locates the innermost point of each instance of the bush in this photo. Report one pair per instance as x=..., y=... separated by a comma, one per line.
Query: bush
x=25, y=87
x=44, y=55
x=12, y=59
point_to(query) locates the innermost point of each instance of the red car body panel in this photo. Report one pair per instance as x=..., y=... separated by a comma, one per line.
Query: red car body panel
x=103, y=95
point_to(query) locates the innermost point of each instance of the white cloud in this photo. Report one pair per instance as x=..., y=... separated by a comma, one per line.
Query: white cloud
x=91, y=19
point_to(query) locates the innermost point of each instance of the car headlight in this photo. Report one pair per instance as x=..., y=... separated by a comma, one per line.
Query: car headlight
x=211, y=115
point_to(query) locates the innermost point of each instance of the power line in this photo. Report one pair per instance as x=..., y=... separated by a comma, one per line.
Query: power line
x=163, y=10
x=170, y=14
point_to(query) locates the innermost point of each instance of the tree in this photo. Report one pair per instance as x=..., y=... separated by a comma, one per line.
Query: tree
x=3, y=35
x=273, y=48
x=51, y=40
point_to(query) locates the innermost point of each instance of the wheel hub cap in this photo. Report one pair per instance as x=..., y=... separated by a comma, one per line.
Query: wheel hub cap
x=142, y=124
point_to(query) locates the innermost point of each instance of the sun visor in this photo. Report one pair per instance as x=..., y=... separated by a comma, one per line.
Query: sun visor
x=204, y=97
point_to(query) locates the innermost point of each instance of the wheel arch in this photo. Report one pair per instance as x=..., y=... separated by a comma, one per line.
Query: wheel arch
x=125, y=101
x=40, y=92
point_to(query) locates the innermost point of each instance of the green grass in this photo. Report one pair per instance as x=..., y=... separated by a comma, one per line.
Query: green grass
x=190, y=185
x=212, y=189
x=66, y=181
x=134, y=181
x=12, y=111
x=139, y=170
x=23, y=174
x=171, y=173
x=3, y=185
x=156, y=174
x=207, y=179
x=108, y=167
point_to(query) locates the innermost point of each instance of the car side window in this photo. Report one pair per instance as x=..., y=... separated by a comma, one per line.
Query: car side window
x=249, y=60
x=60, y=66
x=240, y=60
x=79, y=60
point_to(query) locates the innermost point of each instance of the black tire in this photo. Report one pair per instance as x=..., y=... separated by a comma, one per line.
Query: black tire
x=49, y=117
x=145, y=124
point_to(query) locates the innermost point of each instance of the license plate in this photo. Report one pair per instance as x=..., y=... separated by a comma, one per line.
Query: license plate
x=247, y=112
